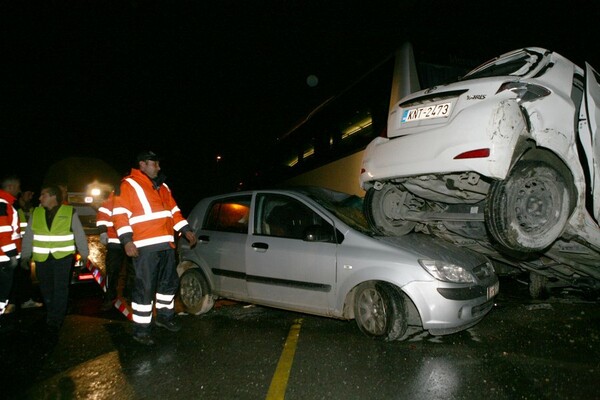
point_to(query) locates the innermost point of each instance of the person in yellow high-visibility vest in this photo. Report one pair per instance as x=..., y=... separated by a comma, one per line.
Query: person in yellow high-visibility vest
x=54, y=234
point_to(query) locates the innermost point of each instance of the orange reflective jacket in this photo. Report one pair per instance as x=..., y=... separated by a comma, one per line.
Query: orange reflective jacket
x=150, y=214
x=104, y=218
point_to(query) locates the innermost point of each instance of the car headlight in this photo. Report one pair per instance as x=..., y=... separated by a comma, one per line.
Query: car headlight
x=447, y=272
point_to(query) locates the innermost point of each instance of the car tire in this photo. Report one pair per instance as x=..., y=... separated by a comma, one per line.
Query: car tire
x=193, y=292
x=379, y=311
x=383, y=209
x=528, y=211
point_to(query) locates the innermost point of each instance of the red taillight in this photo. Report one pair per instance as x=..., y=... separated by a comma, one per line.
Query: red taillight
x=85, y=277
x=479, y=153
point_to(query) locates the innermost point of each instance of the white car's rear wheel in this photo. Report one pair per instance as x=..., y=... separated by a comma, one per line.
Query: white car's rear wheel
x=379, y=311
x=193, y=292
x=384, y=209
x=528, y=211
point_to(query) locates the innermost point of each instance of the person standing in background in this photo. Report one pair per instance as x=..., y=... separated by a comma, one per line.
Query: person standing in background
x=54, y=234
x=22, y=292
x=115, y=255
x=10, y=237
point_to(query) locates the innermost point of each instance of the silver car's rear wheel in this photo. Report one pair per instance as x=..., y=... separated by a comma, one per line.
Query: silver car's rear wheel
x=193, y=292
x=384, y=209
x=528, y=211
x=379, y=311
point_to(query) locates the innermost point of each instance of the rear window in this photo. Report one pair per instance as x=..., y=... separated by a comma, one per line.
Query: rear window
x=229, y=215
x=517, y=64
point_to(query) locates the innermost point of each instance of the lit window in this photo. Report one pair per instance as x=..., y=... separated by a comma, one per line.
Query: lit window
x=359, y=126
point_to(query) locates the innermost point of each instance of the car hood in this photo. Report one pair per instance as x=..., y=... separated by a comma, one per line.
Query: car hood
x=432, y=248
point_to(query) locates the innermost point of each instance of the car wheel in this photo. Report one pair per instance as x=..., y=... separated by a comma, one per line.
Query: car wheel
x=528, y=211
x=384, y=208
x=193, y=292
x=537, y=285
x=379, y=311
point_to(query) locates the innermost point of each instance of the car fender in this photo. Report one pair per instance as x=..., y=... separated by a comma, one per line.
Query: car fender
x=345, y=295
x=187, y=263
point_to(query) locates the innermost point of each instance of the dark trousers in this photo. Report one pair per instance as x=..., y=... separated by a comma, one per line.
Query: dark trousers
x=22, y=287
x=115, y=257
x=155, y=278
x=54, y=276
x=6, y=282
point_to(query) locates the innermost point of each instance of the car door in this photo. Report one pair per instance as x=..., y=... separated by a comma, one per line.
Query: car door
x=222, y=242
x=283, y=268
x=592, y=92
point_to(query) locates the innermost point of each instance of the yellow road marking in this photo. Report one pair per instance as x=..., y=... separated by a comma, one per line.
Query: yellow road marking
x=284, y=366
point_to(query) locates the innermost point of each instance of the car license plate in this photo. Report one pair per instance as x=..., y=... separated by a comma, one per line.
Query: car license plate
x=493, y=290
x=429, y=112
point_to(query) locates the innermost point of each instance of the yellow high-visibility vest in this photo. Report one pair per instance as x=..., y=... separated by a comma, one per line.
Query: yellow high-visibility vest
x=58, y=240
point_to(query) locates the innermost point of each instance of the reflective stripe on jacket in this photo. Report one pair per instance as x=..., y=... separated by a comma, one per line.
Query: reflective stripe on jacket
x=104, y=218
x=10, y=234
x=22, y=222
x=58, y=240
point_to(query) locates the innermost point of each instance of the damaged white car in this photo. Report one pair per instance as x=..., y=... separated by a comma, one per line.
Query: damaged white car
x=505, y=159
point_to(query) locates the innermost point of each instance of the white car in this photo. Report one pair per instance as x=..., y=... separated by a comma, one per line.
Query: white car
x=507, y=157
x=310, y=250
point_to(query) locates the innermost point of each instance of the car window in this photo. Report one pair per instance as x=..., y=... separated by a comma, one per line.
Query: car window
x=229, y=215
x=517, y=64
x=283, y=216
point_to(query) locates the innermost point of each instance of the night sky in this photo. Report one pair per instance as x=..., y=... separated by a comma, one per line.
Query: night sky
x=195, y=79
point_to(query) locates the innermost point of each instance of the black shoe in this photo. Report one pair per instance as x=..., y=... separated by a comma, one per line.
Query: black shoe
x=170, y=325
x=146, y=340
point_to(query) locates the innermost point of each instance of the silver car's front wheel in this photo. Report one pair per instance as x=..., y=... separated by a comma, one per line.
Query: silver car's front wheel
x=379, y=311
x=193, y=292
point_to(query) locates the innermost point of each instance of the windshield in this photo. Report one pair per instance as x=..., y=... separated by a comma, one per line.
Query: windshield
x=346, y=207
x=515, y=64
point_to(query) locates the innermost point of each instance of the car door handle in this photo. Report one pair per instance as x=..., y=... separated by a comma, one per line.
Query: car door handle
x=203, y=238
x=259, y=246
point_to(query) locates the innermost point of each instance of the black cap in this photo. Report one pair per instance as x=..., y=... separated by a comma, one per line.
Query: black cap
x=147, y=155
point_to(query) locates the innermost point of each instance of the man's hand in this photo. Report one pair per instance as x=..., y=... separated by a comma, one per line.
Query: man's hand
x=191, y=237
x=26, y=264
x=131, y=250
x=13, y=262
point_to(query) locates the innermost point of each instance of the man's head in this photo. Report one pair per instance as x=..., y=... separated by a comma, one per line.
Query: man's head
x=149, y=163
x=50, y=197
x=11, y=184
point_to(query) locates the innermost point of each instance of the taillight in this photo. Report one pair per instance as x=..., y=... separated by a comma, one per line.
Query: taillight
x=479, y=153
x=524, y=91
x=85, y=276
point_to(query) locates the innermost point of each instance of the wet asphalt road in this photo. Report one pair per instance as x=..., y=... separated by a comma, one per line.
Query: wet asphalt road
x=523, y=349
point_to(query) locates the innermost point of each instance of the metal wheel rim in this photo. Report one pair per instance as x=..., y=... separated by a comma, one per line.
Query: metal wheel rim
x=372, y=311
x=392, y=205
x=534, y=205
x=190, y=290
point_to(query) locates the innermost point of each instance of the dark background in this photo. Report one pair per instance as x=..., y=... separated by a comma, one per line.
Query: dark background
x=195, y=79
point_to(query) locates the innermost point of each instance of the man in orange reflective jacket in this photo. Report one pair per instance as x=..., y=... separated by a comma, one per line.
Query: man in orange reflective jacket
x=146, y=216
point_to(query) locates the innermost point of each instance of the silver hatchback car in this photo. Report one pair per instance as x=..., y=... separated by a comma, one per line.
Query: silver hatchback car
x=310, y=250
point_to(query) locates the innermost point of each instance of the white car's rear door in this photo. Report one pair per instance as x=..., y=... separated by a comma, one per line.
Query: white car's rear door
x=592, y=92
